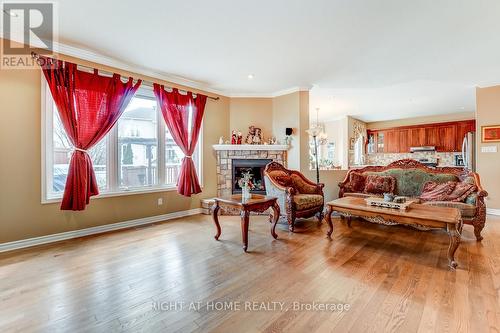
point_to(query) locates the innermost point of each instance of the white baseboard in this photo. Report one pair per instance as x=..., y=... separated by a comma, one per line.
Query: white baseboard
x=20, y=244
x=492, y=211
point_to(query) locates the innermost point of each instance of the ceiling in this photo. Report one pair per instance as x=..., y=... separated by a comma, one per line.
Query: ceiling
x=376, y=60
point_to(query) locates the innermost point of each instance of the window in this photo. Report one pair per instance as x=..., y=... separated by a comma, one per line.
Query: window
x=138, y=144
x=137, y=155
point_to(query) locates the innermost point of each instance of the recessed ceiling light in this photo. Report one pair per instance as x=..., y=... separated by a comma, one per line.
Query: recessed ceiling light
x=250, y=76
x=10, y=13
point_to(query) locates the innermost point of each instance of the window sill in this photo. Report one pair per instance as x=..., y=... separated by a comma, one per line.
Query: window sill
x=118, y=194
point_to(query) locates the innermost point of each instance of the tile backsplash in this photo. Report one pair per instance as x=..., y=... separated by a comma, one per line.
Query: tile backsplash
x=444, y=159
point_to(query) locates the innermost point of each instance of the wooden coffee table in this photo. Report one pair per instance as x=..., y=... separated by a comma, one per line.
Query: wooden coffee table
x=257, y=203
x=417, y=215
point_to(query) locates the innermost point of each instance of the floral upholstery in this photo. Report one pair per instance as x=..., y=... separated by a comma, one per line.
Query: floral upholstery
x=410, y=182
x=356, y=182
x=376, y=184
x=307, y=201
x=301, y=186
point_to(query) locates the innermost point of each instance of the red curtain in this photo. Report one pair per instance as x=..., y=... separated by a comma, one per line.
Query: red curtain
x=89, y=106
x=176, y=108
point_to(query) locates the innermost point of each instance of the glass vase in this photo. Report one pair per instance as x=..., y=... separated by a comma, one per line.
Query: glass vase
x=245, y=192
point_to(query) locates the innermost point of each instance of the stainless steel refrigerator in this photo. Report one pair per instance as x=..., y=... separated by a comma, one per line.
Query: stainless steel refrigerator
x=469, y=151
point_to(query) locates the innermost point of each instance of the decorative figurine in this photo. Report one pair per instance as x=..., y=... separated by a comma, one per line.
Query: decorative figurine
x=239, y=138
x=250, y=135
x=233, y=137
x=257, y=138
x=221, y=140
x=272, y=140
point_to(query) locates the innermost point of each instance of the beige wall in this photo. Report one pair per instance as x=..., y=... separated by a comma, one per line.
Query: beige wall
x=421, y=120
x=21, y=213
x=285, y=114
x=244, y=112
x=488, y=113
x=290, y=110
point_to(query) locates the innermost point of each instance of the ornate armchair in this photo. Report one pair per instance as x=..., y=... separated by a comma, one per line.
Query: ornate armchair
x=297, y=196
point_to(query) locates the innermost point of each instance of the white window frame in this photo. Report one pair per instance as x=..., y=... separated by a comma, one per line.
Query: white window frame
x=112, y=182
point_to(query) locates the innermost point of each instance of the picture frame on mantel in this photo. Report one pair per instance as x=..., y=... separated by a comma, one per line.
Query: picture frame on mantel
x=490, y=133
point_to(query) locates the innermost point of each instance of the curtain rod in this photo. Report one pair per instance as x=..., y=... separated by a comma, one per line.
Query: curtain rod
x=147, y=83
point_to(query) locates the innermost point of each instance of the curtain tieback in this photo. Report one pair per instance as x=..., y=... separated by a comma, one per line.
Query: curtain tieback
x=188, y=156
x=82, y=150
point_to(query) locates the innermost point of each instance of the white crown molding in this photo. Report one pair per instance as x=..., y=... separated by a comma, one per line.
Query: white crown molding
x=491, y=211
x=92, y=56
x=20, y=244
x=271, y=95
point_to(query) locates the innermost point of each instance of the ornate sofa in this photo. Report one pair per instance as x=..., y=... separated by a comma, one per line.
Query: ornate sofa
x=410, y=178
x=297, y=196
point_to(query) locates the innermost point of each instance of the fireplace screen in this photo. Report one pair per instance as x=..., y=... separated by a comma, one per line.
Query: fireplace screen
x=256, y=169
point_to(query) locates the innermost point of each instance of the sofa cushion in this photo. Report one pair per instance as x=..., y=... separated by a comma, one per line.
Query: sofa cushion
x=307, y=201
x=467, y=211
x=462, y=191
x=410, y=182
x=471, y=199
x=449, y=191
x=376, y=184
x=357, y=181
x=433, y=191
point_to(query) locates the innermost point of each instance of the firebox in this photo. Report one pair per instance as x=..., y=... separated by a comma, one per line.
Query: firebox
x=256, y=169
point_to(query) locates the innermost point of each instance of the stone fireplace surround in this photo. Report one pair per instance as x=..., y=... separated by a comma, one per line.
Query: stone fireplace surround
x=226, y=154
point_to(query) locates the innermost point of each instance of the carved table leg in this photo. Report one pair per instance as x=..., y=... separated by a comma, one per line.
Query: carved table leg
x=453, y=232
x=349, y=220
x=216, y=219
x=328, y=217
x=245, y=219
x=276, y=217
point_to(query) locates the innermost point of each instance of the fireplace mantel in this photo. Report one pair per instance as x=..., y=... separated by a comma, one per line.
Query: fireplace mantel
x=252, y=147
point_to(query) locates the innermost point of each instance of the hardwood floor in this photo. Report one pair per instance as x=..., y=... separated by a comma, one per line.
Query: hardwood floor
x=393, y=279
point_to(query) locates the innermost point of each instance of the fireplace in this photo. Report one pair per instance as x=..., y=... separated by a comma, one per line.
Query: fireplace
x=256, y=169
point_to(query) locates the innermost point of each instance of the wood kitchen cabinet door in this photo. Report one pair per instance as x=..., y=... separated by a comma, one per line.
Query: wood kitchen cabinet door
x=417, y=137
x=431, y=136
x=447, y=138
x=391, y=142
x=463, y=128
x=404, y=140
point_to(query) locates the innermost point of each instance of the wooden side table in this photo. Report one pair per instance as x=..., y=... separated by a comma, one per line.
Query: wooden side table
x=257, y=203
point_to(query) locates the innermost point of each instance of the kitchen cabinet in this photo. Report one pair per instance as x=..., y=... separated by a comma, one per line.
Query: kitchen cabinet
x=462, y=129
x=446, y=137
x=417, y=137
